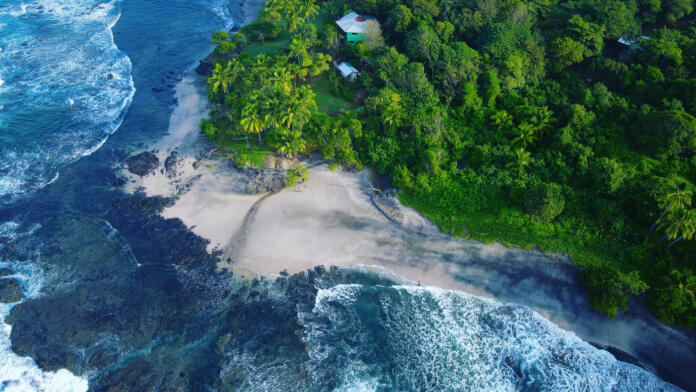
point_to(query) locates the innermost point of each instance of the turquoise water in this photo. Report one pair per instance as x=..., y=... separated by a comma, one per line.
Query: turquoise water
x=119, y=296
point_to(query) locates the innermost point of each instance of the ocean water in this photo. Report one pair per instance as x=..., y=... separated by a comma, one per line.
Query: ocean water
x=413, y=338
x=119, y=297
x=65, y=87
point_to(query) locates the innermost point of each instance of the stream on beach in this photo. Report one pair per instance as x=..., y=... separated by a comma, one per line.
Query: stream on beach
x=180, y=279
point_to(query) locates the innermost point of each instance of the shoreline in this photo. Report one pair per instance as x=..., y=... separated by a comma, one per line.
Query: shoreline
x=332, y=220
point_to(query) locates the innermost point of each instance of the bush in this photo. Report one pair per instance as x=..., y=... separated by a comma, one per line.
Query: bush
x=544, y=201
x=610, y=288
x=298, y=174
x=253, y=30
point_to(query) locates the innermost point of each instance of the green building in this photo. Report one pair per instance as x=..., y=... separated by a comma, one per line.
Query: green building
x=354, y=25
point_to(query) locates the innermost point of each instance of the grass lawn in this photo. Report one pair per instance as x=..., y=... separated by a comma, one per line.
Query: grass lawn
x=268, y=47
x=254, y=152
x=326, y=100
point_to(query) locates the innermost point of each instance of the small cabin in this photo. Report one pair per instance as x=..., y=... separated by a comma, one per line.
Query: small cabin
x=354, y=25
x=347, y=71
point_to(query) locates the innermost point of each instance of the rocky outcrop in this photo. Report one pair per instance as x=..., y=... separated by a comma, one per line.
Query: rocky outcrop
x=142, y=164
x=265, y=180
x=280, y=163
x=170, y=164
x=10, y=291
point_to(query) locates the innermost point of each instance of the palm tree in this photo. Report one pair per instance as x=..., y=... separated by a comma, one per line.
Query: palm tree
x=501, y=120
x=394, y=113
x=543, y=120
x=525, y=135
x=251, y=120
x=220, y=78
x=679, y=224
x=309, y=9
x=677, y=196
x=300, y=108
x=522, y=160
x=298, y=48
x=273, y=109
x=281, y=79
x=292, y=142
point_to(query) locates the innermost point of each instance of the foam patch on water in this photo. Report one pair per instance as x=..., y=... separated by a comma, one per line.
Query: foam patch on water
x=371, y=338
x=21, y=374
x=66, y=87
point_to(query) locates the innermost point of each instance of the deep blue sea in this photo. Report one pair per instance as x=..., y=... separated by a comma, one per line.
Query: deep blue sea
x=119, y=298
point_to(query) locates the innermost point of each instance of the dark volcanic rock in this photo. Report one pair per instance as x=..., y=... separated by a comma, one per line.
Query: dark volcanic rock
x=5, y=271
x=266, y=180
x=170, y=164
x=143, y=163
x=10, y=291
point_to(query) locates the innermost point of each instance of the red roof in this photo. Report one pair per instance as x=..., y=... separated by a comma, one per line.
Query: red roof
x=360, y=18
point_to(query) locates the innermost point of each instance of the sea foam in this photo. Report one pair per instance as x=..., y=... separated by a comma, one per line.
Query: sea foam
x=372, y=338
x=57, y=51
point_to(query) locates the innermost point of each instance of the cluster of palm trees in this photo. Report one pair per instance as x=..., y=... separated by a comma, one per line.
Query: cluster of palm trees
x=540, y=121
x=678, y=220
x=261, y=94
x=294, y=13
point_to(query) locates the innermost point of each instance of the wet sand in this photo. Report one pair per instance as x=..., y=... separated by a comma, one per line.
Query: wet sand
x=331, y=220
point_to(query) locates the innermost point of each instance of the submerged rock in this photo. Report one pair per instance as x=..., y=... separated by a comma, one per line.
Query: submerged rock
x=142, y=164
x=10, y=291
x=5, y=271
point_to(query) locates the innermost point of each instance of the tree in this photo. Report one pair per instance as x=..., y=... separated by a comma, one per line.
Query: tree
x=589, y=34
x=251, y=121
x=524, y=135
x=299, y=109
x=565, y=52
x=309, y=9
x=609, y=174
x=220, y=78
x=543, y=120
x=298, y=48
x=222, y=41
x=400, y=18
x=331, y=39
x=373, y=35
x=679, y=224
x=676, y=298
x=424, y=44
x=676, y=195
x=676, y=9
x=291, y=142
x=611, y=288
x=521, y=160
x=501, y=120
x=545, y=201
x=669, y=132
x=490, y=87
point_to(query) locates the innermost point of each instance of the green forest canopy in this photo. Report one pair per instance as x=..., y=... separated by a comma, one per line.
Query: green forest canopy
x=524, y=122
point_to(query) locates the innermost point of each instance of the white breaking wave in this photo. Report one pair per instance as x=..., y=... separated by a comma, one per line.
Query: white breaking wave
x=427, y=338
x=57, y=51
x=21, y=374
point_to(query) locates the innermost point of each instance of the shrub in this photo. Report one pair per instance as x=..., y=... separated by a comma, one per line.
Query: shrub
x=610, y=288
x=545, y=201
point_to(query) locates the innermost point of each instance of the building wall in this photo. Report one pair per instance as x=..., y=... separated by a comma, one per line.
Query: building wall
x=354, y=37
